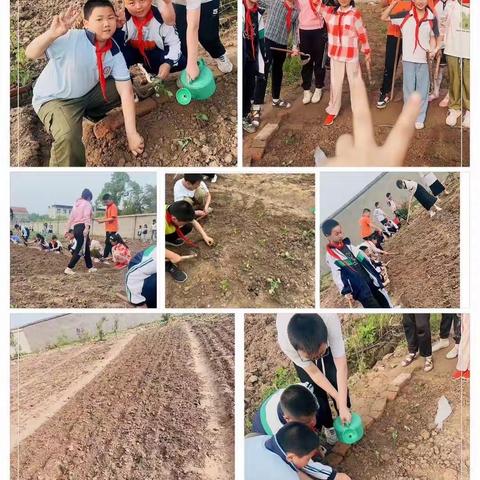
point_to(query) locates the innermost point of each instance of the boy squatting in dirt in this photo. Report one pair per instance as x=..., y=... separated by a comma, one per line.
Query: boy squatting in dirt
x=352, y=271
x=86, y=76
x=287, y=455
x=179, y=222
x=193, y=190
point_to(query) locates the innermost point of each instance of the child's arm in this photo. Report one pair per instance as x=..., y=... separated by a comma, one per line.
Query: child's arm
x=386, y=13
x=135, y=140
x=208, y=240
x=168, y=12
x=322, y=381
x=193, y=23
x=207, y=202
x=172, y=43
x=60, y=25
x=362, y=36
x=342, y=382
x=172, y=256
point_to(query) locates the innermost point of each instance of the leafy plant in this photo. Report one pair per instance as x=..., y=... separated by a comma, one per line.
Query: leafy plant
x=202, y=117
x=100, y=331
x=273, y=285
x=225, y=286
x=183, y=142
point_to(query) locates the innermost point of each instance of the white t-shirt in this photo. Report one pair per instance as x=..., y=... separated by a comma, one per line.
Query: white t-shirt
x=180, y=191
x=379, y=214
x=334, y=339
x=428, y=178
x=411, y=52
x=411, y=185
x=457, y=30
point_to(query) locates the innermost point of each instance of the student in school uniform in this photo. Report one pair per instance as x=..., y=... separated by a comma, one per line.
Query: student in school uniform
x=55, y=245
x=141, y=278
x=194, y=190
x=389, y=227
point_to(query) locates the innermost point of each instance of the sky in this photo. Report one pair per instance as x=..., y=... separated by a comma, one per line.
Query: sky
x=37, y=190
x=337, y=188
x=20, y=319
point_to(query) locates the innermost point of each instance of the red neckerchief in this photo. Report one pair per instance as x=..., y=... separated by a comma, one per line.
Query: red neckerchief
x=178, y=230
x=140, y=23
x=289, y=15
x=338, y=246
x=99, y=52
x=249, y=28
x=314, y=5
x=418, y=23
x=465, y=2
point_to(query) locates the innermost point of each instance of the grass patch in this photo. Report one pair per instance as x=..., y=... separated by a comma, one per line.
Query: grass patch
x=292, y=71
x=21, y=68
x=326, y=281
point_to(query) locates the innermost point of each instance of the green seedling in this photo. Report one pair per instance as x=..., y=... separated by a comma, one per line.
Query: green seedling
x=395, y=438
x=202, y=117
x=262, y=241
x=308, y=235
x=274, y=285
x=284, y=230
x=183, y=142
x=225, y=286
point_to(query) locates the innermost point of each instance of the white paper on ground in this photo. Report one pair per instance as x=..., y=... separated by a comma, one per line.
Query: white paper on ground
x=444, y=410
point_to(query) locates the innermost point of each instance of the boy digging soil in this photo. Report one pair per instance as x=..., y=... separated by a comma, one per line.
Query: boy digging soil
x=86, y=76
x=193, y=190
x=179, y=222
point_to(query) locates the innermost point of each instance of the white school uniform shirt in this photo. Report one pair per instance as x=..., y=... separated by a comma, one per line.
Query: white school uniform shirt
x=180, y=191
x=334, y=339
x=392, y=205
x=457, y=30
x=379, y=214
x=411, y=52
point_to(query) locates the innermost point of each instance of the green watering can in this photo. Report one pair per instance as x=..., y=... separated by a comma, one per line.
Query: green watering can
x=350, y=433
x=201, y=88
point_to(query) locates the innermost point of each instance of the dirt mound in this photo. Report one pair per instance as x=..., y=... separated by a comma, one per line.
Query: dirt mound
x=37, y=281
x=426, y=271
x=264, y=231
x=143, y=417
x=301, y=129
x=202, y=133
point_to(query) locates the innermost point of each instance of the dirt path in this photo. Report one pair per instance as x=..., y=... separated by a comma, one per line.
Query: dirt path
x=264, y=228
x=301, y=127
x=38, y=412
x=426, y=271
x=141, y=418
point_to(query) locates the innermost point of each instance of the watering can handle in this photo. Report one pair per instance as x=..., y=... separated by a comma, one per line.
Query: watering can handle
x=201, y=64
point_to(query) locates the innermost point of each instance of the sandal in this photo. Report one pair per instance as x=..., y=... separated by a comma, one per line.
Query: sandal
x=409, y=359
x=428, y=364
x=255, y=118
x=281, y=103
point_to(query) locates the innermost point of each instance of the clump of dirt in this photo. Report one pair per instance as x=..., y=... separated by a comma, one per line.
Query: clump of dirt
x=264, y=254
x=301, y=130
x=202, y=133
x=37, y=280
x=135, y=419
x=425, y=272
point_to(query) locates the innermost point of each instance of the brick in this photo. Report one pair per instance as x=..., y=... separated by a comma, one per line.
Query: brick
x=378, y=407
x=401, y=380
x=266, y=132
x=341, y=449
x=391, y=395
x=333, y=459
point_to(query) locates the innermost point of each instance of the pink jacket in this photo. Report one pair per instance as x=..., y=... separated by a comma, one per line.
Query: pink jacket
x=82, y=213
x=307, y=18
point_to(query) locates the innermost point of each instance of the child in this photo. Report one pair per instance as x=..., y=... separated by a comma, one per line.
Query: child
x=315, y=345
x=346, y=32
x=121, y=255
x=368, y=231
x=141, y=278
x=430, y=180
x=352, y=271
x=145, y=233
x=287, y=455
x=373, y=254
x=457, y=51
x=23, y=232
x=389, y=227
x=281, y=24
x=446, y=322
x=426, y=200
x=179, y=222
x=40, y=242
x=154, y=230
x=146, y=39
x=392, y=205
x=253, y=52
x=419, y=339
x=76, y=82
x=420, y=36
x=14, y=238
x=139, y=232
x=72, y=243
x=313, y=41
x=55, y=245
x=193, y=189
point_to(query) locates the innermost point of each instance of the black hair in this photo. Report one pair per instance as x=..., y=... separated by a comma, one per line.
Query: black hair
x=87, y=194
x=299, y=401
x=399, y=183
x=297, y=438
x=182, y=211
x=40, y=237
x=366, y=210
x=328, y=226
x=54, y=237
x=337, y=5
x=193, y=177
x=307, y=331
x=17, y=225
x=90, y=5
x=377, y=204
x=388, y=194
x=106, y=197
x=363, y=247
x=116, y=237
x=70, y=230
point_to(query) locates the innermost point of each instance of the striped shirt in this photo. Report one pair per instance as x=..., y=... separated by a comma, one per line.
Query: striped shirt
x=346, y=32
x=276, y=22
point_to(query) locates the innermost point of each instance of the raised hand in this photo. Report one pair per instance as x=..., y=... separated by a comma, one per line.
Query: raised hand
x=62, y=23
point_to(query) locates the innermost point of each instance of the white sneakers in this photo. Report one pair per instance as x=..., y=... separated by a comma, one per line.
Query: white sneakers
x=466, y=120
x=68, y=271
x=309, y=97
x=453, y=353
x=224, y=64
x=444, y=343
x=92, y=270
x=452, y=117
x=330, y=435
x=419, y=125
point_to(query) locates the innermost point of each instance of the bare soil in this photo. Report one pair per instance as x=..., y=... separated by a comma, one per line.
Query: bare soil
x=37, y=280
x=301, y=127
x=263, y=227
x=402, y=444
x=202, y=133
x=146, y=415
x=425, y=272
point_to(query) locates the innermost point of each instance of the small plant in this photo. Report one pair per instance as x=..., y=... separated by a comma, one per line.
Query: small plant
x=183, y=142
x=83, y=335
x=225, y=286
x=100, y=331
x=308, y=235
x=262, y=241
x=247, y=267
x=284, y=231
x=290, y=139
x=160, y=88
x=394, y=438
x=203, y=117
x=165, y=318
x=273, y=285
